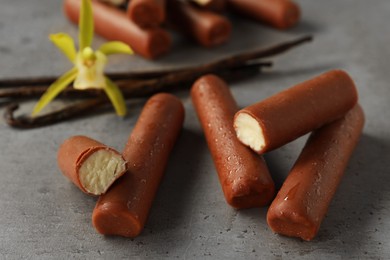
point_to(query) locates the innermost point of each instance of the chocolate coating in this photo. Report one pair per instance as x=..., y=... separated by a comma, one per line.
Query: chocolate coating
x=302, y=108
x=73, y=152
x=207, y=28
x=213, y=5
x=146, y=13
x=304, y=198
x=113, y=24
x=243, y=175
x=124, y=209
x=281, y=14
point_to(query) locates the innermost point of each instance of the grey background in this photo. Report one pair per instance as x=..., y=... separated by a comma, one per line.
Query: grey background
x=43, y=216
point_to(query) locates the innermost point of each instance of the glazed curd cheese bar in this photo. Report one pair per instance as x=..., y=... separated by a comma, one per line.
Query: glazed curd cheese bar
x=303, y=200
x=113, y=24
x=124, y=209
x=296, y=111
x=205, y=27
x=89, y=164
x=214, y=5
x=280, y=14
x=146, y=13
x=243, y=175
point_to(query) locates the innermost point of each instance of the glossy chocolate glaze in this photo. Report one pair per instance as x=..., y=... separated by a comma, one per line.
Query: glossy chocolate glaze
x=281, y=14
x=243, y=175
x=73, y=152
x=146, y=13
x=113, y=24
x=207, y=28
x=302, y=108
x=124, y=209
x=213, y=5
x=304, y=198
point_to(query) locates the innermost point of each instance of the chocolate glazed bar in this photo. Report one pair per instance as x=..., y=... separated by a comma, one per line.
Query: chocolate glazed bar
x=124, y=209
x=213, y=5
x=146, y=13
x=296, y=111
x=113, y=24
x=207, y=28
x=89, y=164
x=280, y=14
x=243, y=175
x=304, y=198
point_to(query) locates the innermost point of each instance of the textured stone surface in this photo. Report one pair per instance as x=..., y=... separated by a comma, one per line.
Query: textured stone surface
x=43, y=216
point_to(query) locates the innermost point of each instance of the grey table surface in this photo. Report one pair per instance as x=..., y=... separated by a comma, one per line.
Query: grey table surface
x=43, y=216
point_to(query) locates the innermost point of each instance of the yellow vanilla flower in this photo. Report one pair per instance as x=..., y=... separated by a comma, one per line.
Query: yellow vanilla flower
x=88, y=70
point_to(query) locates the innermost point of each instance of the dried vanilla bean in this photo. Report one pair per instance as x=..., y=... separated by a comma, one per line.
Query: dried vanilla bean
x=73, y=111
x=135, y=84
x=130, y=87
x=92, y=105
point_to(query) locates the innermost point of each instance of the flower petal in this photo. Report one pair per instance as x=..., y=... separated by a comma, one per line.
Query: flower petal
x=116, y=97
x=54, y=89
x=85, y=24
x=90, y=73
x=115, y=47
x=65, y=44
